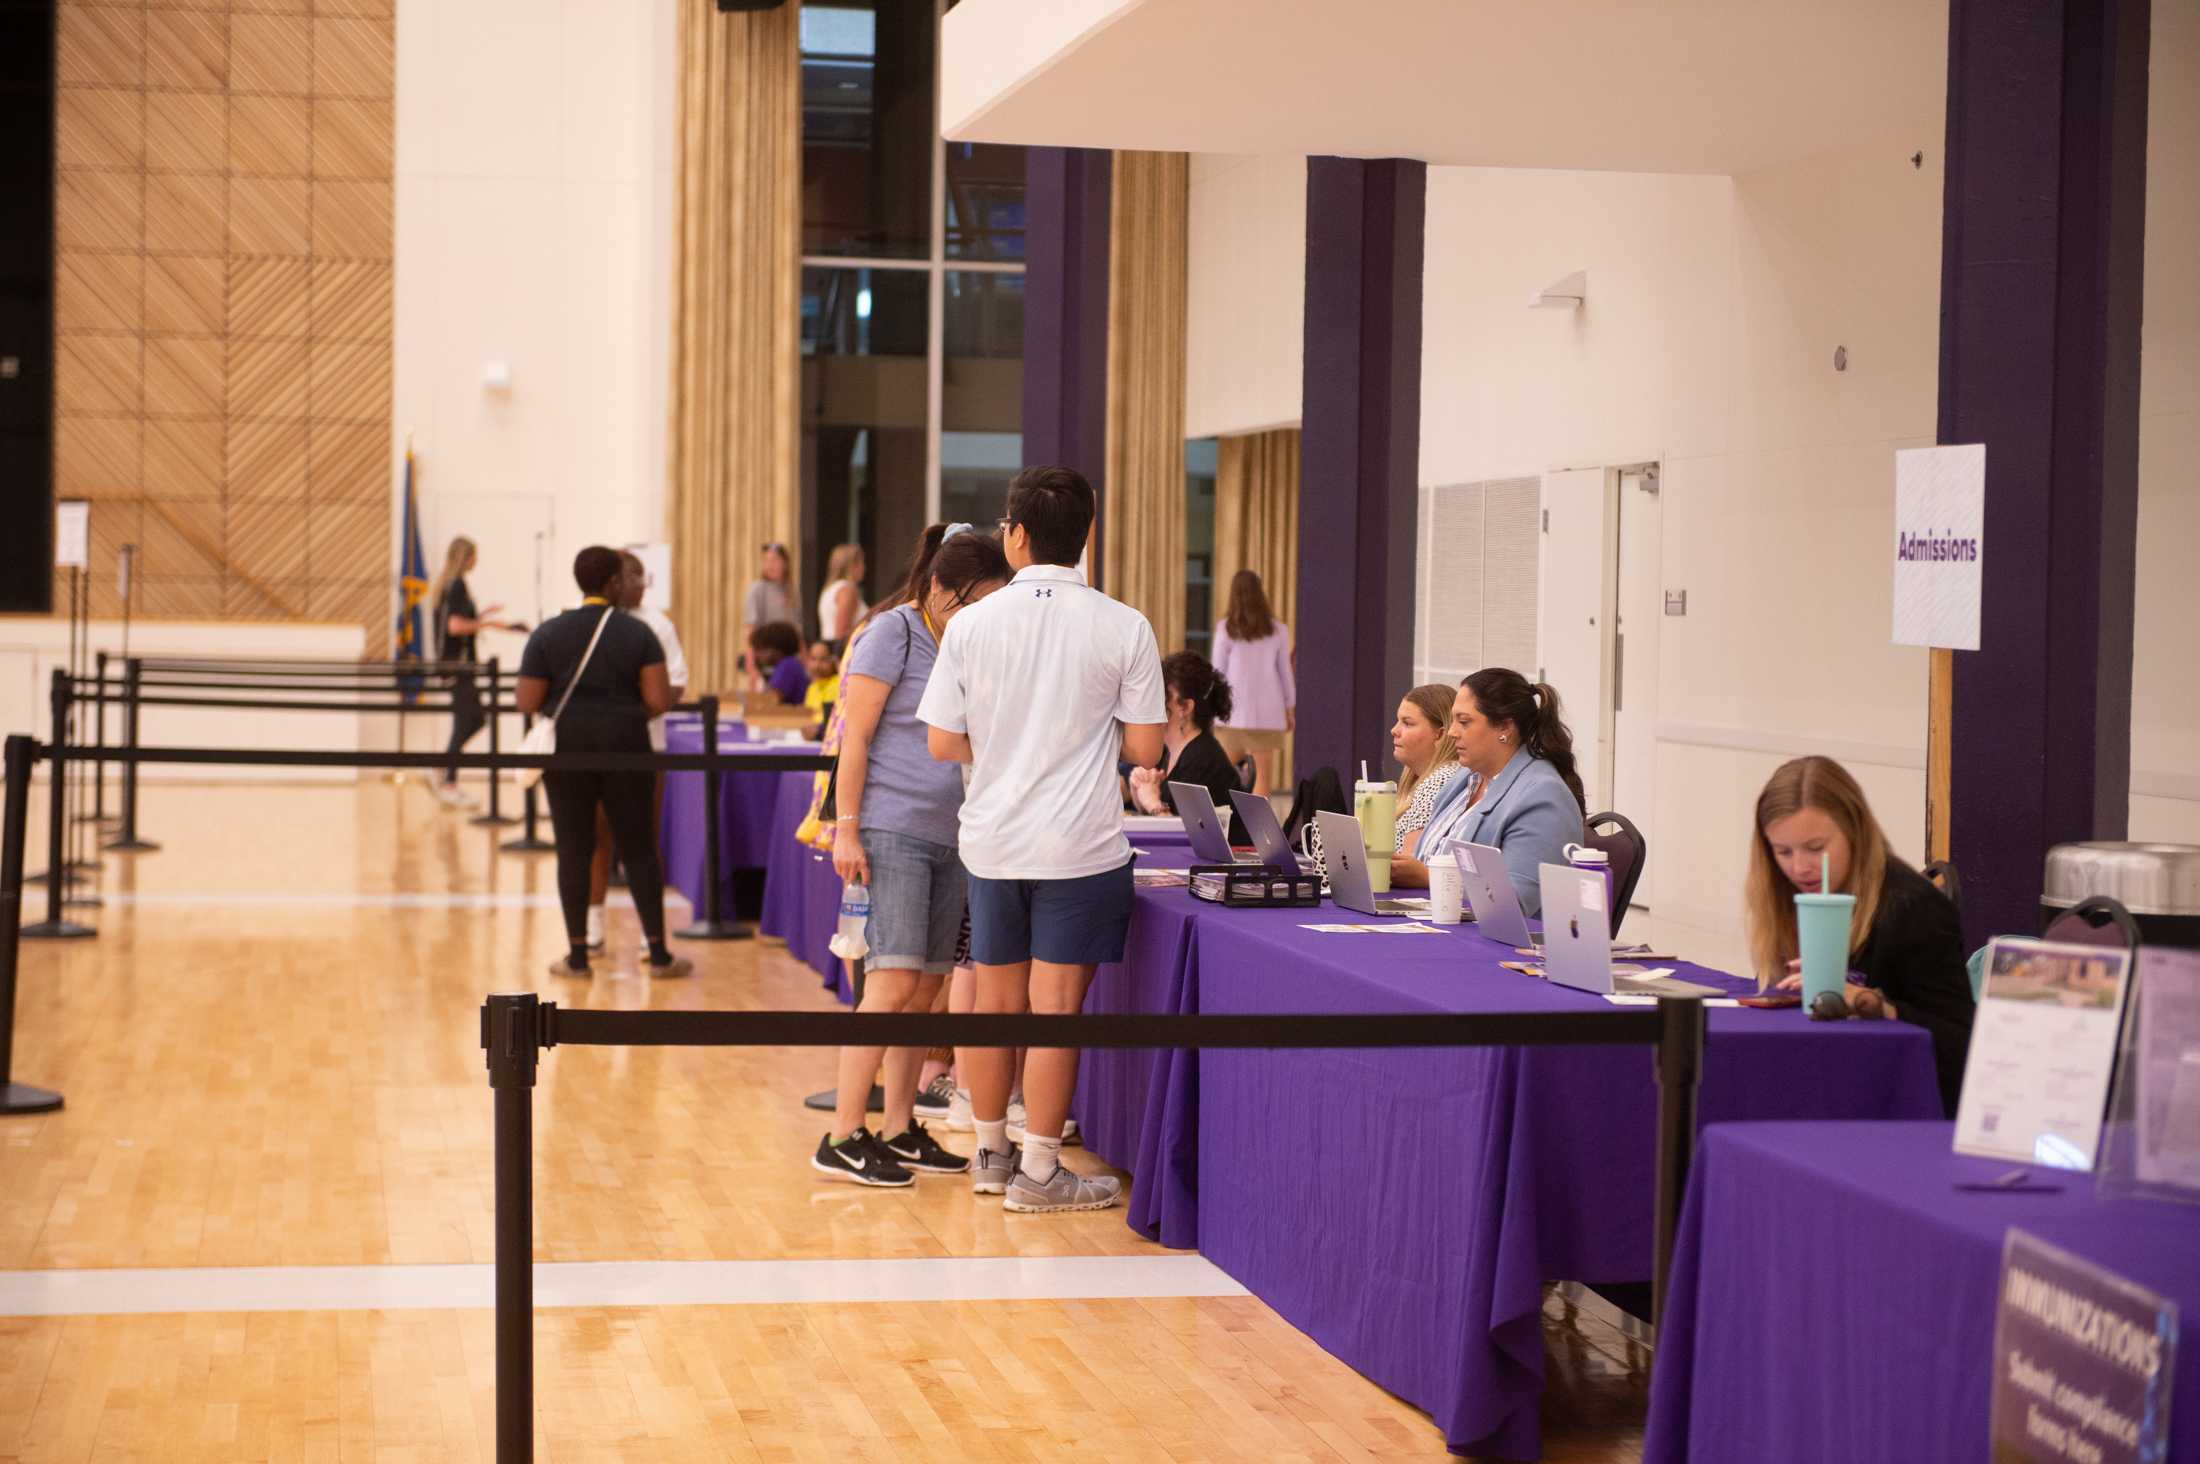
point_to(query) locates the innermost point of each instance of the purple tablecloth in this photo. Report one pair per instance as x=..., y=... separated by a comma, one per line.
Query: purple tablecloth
x=1403, y=1208
x=746, y=804
x=801, y=892
x=1833, y=1294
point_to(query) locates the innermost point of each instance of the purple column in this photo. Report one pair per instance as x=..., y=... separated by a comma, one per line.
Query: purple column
x=1359, y=456
x=2041, y=259
x=1066, y=193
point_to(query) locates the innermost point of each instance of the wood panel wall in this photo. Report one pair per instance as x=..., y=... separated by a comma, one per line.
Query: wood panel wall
x=223, y=281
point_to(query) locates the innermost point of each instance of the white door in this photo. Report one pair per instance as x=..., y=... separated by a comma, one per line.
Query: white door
x=1574, y=619
x=1641, y=599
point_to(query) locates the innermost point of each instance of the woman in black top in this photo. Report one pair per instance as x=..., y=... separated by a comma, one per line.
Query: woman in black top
x=1191, y=753
x=457, y=622
x=1905, y=945
x=602, y=700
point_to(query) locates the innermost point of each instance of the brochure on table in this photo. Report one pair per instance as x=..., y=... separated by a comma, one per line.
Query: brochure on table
x=2043, y=1049
x=2083, y=1360
x=2152, y=1144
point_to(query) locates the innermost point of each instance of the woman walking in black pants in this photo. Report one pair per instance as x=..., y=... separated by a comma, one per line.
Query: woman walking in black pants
x=600, y=675
x=457, y=622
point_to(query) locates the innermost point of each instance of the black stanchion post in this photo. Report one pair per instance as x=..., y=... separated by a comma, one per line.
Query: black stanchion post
x=712, y=926
x=98, y=813
x=528, y=842
x=126, y=838
x=495, y=817
x=53, y=927
x=511, y=1031
x=1680, y=1076
x=14, y=831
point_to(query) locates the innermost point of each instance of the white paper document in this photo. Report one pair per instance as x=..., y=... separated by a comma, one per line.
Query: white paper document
x=2043, y=1048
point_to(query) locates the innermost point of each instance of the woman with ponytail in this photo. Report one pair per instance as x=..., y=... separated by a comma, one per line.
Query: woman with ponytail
x=1522, y=793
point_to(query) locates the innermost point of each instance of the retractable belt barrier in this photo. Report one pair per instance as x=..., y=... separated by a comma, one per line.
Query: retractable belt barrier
x=22, y=752
x=516, y=1030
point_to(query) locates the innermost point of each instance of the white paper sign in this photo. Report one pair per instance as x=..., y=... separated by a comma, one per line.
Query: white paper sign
x=72, y=534
x=2043, y=1047
x=124, y=558
x=657, y=559
x=1939, y=541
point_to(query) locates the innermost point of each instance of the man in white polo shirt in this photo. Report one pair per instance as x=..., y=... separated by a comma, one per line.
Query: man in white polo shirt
x=1042, y=687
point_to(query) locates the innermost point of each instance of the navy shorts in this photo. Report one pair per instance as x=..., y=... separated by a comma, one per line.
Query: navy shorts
x=1065, y=922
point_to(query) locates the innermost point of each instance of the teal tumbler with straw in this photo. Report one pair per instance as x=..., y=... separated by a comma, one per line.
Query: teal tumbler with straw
x=1822, y=923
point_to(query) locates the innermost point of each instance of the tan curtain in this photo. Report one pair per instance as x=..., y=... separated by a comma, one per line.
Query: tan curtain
x=1142, y=553
x=1257, y=526
x=735, y=345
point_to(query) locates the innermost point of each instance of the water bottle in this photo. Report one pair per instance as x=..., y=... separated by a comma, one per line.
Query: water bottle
x=1590, y=860
x=848, y=941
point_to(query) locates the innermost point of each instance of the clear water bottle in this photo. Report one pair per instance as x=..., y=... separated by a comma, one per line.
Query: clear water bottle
x=848, y=941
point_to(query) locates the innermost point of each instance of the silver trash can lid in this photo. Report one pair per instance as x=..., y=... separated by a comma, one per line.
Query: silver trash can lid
x=2150, y=879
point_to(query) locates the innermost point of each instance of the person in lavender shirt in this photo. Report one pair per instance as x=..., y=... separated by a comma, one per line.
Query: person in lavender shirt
x=775, y=659
x=1252, y=651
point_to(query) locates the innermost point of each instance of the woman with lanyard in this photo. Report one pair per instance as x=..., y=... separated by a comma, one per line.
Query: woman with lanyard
x=899, y=817
x=602, y=675
x=1521, y=795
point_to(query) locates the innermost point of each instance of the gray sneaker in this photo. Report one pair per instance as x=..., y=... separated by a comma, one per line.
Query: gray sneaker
x=991, y=1172
x=1067, y=1190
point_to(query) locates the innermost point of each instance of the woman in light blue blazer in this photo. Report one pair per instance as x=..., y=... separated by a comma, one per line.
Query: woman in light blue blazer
x=1521, y=793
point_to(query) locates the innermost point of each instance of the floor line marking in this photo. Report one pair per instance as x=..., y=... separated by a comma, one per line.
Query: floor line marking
x=611, y=1284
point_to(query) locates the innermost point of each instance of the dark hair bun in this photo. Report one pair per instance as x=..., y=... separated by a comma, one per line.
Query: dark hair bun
x=1193, y=677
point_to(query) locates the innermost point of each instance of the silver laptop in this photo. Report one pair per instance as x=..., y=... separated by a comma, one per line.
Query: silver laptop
x=1346, y=855
x=1490, y=894
x=1577, y=940
x=1257, y=816
x=1203, y=827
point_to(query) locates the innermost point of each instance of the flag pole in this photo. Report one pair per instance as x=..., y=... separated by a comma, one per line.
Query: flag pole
x=405, y=567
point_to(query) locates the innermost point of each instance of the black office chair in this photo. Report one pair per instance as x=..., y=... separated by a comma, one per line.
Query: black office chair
x=1245, y=772
x=1626, y=848
x=2096, y=920
x=1944, y=878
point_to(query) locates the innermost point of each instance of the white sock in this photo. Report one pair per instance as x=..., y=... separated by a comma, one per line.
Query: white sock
x=1042, y=1156
x=595, y=925
x=993, y=1135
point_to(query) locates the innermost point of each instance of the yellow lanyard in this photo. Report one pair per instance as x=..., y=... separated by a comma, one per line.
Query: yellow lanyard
x=594, y=600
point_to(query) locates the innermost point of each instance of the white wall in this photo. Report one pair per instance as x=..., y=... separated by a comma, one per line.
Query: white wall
x=2165, y=692
x=1707, y=344
x=31, y=647
x=1246, y=301
x=535, y=227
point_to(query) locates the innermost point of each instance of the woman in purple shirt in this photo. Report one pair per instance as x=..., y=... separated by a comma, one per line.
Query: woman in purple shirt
x=1252, y=651
x=775, y=653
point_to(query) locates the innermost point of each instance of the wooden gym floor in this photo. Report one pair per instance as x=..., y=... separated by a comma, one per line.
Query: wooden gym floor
x=270, y=1059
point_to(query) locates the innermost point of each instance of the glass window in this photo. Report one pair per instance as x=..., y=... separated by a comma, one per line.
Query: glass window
x=985, y=201
x=900, y=403
x=867, y=131
x=1200, y=612
x=863, y=417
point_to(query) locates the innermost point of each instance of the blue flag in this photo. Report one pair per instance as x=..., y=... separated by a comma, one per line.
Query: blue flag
x=412, y=586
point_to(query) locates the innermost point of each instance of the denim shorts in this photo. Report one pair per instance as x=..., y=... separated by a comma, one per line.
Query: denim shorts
x=1064, y=922
x=917, y=893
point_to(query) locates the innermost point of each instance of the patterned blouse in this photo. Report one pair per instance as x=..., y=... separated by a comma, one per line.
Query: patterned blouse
x=1416, y=813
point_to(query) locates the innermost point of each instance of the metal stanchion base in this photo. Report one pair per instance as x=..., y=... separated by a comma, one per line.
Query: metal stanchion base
x=91, y=902
x=57, y=930
x=23, y=1098
x=715, y=930
x=83, y=866
x=129, y=846
x=70, y=874
x=525, y=845
x=492, y=820
x=829, y=1100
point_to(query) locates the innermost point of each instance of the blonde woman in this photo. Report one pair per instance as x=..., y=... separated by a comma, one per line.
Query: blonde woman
x=840, y=606
x=457, y=622
x=1814, y=828
x=1428, y=758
